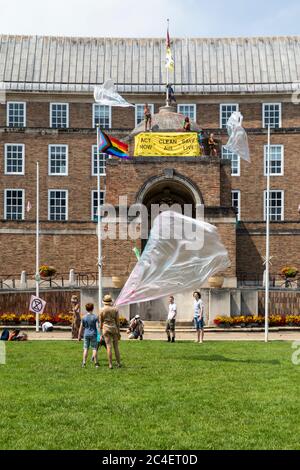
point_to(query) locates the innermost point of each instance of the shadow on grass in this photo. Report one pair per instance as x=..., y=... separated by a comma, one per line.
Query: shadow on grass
x=219, y=358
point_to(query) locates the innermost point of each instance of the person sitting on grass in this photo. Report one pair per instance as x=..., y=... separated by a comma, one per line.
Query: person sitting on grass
x=136, y=328
x=90, y=325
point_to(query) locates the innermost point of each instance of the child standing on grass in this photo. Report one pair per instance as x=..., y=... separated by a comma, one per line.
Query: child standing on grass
x=90, y=325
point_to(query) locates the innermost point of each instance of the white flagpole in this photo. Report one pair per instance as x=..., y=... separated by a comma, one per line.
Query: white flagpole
x=37, y=258
x=168, y=99
x=99, y=226
x=267, y=277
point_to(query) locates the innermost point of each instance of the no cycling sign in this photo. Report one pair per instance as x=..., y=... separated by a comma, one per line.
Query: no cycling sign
x=37, y=305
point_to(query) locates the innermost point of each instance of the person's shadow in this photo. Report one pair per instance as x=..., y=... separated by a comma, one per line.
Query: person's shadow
x=219, y=358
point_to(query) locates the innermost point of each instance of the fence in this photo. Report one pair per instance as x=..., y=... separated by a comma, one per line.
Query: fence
x=71, y=279
x=58, y=301
x=282, y=302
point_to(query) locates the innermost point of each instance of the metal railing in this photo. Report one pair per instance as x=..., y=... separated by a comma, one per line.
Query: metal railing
x=59, y=280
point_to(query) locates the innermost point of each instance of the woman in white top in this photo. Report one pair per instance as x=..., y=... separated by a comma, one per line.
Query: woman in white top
x=198, y=316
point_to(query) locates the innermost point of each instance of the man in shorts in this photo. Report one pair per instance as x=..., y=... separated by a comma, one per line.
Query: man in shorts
x=171, y=321
x=198, y=316
x=90, y=325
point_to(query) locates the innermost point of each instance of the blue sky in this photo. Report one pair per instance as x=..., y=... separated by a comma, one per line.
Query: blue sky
x=140, y=18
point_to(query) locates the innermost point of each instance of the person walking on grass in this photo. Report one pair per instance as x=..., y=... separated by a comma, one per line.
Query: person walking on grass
x=110, y=327
x=90, y=325
x=171, y=321
x=198, y=316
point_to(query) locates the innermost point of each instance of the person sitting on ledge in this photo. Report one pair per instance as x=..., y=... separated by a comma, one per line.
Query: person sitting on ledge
x=187, y=124
x=148, y=117
x=212, y=144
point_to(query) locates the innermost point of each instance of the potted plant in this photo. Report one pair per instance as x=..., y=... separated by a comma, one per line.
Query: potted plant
x=289, y=275
x=47, y=272
x=216, y=282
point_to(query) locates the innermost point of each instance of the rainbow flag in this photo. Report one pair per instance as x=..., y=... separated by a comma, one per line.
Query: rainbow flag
x=112, y=146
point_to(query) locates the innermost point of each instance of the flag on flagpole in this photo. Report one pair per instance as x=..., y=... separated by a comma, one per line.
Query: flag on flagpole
x=29, y=206
x=112, y=146
x=169, y=57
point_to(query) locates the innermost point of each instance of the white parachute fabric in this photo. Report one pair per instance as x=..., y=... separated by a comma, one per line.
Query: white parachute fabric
x=181, y=253
x=238, y=139
x=107, y=95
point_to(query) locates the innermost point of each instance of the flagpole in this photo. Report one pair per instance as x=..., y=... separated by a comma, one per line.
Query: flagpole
x=99, y=225
x=167, y=92
x=267, y=271
x=37, y=258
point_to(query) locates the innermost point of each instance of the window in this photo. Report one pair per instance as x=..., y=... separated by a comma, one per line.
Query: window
x=272, y=115
x=226, y=111
x=14, y=204
x=139, y=112
x=58, y=205
x=276, y=205
x=276, y=160
x=236, y=202
x=235, y=161
x=58, y=160
x=102, y=116
x=14, y=159
x=16, y=114
x=102, y=163
x=95, y=203
x=188, y=110
x=59, y=115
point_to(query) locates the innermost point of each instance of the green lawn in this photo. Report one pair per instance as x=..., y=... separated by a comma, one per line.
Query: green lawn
x=219, y=395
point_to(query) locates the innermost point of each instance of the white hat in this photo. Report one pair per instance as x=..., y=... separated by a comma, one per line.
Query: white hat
x=137, y=317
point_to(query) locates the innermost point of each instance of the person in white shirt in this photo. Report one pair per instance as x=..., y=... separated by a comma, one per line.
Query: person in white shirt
x=171, y=321
x=199, y=316
x=47, y=326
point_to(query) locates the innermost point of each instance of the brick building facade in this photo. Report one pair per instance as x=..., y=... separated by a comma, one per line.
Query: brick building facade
x=49, y=115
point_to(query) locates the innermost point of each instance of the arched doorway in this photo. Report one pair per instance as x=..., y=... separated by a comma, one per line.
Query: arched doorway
x=164, y=192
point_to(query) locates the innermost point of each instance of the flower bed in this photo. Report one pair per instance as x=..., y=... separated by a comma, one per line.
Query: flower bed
x=256, y=321
x=29, y=319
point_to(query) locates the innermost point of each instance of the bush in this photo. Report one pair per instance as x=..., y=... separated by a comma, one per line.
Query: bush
x=274, y=320
x=123, y=322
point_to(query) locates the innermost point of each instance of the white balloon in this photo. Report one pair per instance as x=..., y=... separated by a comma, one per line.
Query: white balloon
x=181, y=253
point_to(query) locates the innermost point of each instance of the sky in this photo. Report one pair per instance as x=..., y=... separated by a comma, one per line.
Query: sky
x=140, y=18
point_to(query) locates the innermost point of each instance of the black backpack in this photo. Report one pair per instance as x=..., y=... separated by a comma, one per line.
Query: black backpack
x=5, y=335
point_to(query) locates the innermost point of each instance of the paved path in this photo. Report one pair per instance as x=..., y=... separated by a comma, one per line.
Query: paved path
x=185, y=335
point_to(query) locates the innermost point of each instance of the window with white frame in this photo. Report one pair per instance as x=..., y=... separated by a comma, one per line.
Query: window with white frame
x=16, y=114
x=272, y=115
x=14, y=204
x=139, y=112
x=102, y=162
x=276, y=205
x=226, y=111
x=58, y=205
x=236, y=202
x=102, y=116
x=59, y=115
x=276, y=160
x=235, y=161
x=58, y=160
x=188, y=110
x=14, y=159
x=95, y=203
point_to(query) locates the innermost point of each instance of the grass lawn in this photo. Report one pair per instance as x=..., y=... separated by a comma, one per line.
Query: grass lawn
x=219, y=395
